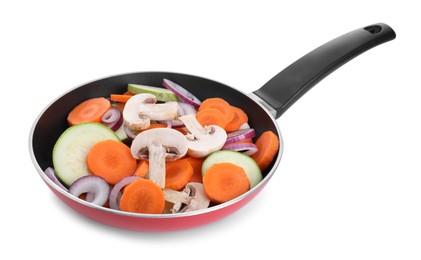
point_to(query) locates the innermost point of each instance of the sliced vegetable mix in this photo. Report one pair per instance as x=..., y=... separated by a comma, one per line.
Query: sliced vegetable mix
x=155, y=150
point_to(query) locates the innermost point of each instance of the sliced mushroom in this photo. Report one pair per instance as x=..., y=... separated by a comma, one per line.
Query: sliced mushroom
x=192, y=198
x=162, y=111
x=203, y=140
x=130, y=112
x=141, y=109
x=159, y=145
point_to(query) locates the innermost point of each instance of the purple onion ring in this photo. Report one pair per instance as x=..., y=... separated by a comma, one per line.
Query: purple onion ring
x=112, y=118
x=246, y=148
x=129, y=133
x=91, y=184
x=240, y=135
x=182, y=93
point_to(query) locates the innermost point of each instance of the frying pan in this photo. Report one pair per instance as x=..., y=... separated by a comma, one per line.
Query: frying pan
x=263, y=107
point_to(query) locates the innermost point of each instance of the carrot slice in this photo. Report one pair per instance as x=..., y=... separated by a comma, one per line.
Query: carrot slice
x=157, y=125
x=218, y=103
x=196, y=163
x=267, y=145
x=240, y=117
x=181, y=130
x=122, y=98
x=142, y=168
x=111, y=160
x=225, y=181
x=211, y=116
x=177, y=174
x=90, y=110
x=143, y=196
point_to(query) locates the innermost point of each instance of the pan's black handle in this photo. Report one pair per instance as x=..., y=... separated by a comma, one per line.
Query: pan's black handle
x=294, y=81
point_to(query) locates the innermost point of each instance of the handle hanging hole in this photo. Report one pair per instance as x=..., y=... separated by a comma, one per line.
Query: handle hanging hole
x=373, y=29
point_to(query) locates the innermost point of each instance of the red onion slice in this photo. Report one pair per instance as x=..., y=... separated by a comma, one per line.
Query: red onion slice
x=180, y=109
x=240, y=135
x=111, y=115
x=115, y=193
x=246, y=148
x=51, y=174
x=182, y=93
x=129, y=133
x=90, y=197
x=187, y=108
x=91, y=184
x=112, y=118
x=115, y=126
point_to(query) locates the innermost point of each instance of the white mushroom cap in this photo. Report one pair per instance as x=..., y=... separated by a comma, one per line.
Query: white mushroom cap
x=130, y=112
x=140, y=109
x=173, y=141
x=158, y=145
x=202, y=141
x=162, y=111
x=200, y=148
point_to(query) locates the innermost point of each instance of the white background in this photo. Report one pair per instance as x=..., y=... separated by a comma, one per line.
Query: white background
x=348, y=185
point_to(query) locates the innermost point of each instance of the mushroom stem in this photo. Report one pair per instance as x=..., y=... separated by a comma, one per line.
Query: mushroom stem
x=192, y=198
x=177, y=196
x=157, y=155
x=158, y=145
x=162, y=111
x=131, y=118
x=194, y=127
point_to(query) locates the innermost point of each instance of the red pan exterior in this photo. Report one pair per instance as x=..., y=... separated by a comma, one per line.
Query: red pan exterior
x=154, y=223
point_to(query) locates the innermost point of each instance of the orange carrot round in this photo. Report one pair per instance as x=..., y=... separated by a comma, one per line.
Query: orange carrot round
x=225, y=181
x=142, y=196
x=90, y=110
x=196, y=163
x=218, y=103
x=267, y=145
x=211, y=116
x=111, y=160
x=142, y=168
x=177, y=174
x=240, y=117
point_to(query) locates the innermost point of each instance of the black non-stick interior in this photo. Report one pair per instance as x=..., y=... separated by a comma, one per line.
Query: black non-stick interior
x=53, y=122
